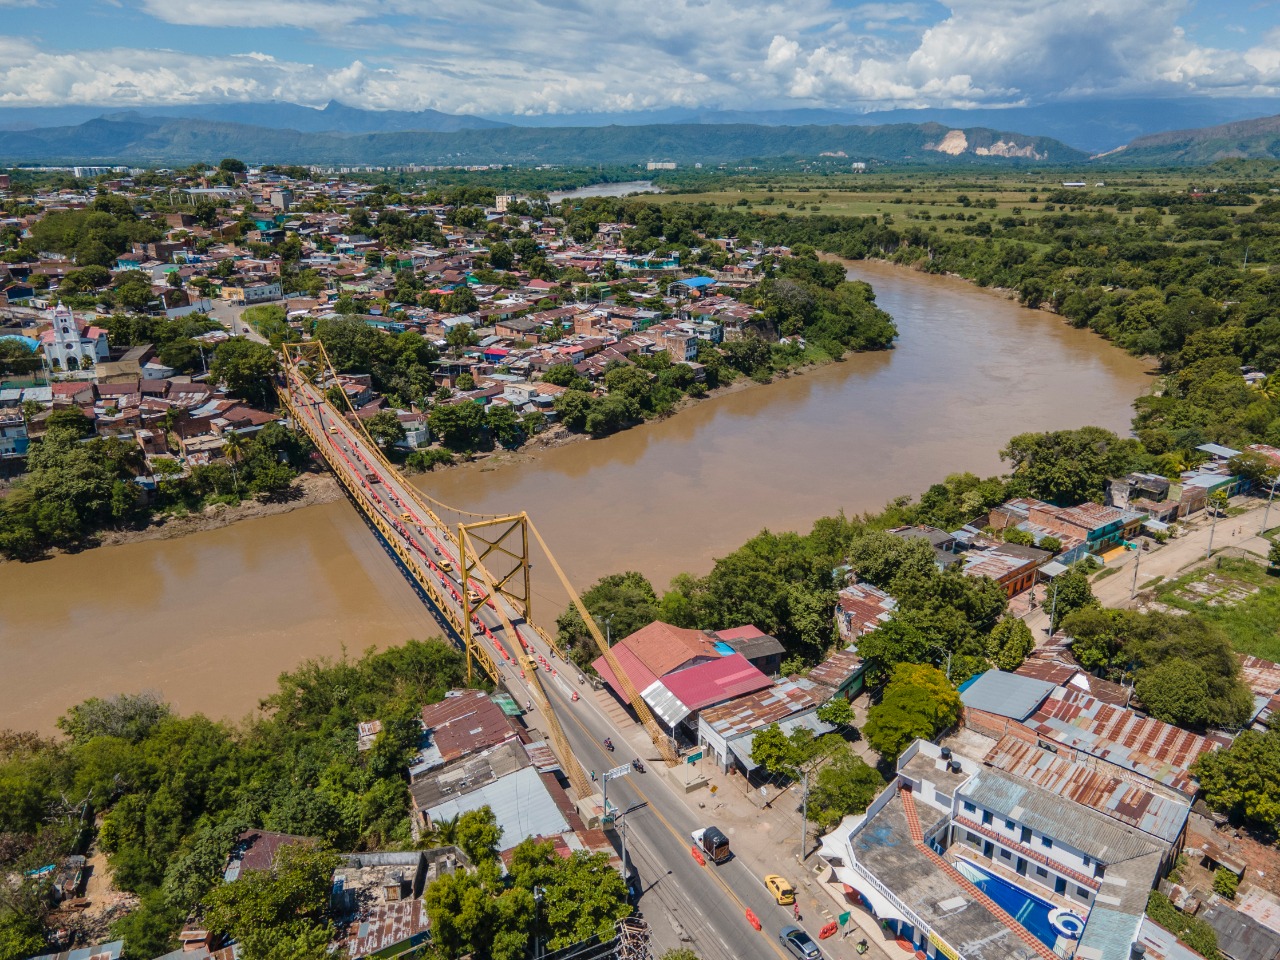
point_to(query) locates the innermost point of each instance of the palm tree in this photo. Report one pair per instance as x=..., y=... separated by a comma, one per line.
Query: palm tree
x=1269, y=387
x=233, y=448
x=443, y=833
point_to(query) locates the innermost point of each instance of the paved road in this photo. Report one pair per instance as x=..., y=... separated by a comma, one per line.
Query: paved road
x=1173, y=559
x=686, y=904
x=229, y=317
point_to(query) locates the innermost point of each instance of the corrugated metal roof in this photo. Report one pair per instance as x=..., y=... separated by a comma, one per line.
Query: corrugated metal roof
x=715, y=681
x=741, y=747
x=519, y=801
x=837, y=669
x=1262, y=676
x=1108, y=933
x=1006, y=694
x=664, y=703
x=764, y=707
x=1119, y=799
x=1077, y=826
x=1120, y=736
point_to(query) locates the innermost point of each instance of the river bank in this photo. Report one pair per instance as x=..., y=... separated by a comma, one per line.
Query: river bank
x=308, y=490
x=211, y=619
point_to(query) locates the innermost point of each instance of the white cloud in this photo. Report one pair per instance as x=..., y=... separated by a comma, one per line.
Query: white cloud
x=536, y=56
x=303, y=14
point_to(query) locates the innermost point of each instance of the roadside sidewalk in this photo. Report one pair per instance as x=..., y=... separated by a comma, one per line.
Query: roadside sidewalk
x=763, y=827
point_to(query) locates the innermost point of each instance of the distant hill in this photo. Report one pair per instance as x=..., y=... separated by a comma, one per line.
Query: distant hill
x=334, y=117
x=1092, y=125
x=134, y=138
x=1244, y=139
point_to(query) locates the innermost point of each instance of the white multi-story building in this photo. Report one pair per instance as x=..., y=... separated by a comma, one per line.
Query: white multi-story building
x=1019, y=854
x=71, y=340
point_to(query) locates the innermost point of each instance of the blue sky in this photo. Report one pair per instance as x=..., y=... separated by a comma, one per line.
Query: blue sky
x=564, y=56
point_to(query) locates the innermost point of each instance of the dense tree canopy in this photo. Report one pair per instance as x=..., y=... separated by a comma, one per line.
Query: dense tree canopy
x=918, y=703
x=1183, y=667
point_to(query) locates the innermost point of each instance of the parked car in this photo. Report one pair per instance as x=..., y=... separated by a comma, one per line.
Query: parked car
x=799, y=944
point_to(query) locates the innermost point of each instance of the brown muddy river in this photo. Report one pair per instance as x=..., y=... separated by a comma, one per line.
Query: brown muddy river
x=209, y=620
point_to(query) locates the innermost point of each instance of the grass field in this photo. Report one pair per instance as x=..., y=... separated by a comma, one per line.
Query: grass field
x=1238, y=595
x=934, y=202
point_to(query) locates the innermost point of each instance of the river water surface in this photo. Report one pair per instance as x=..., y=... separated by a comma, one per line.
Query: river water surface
x=210, y=619
x=605, y=190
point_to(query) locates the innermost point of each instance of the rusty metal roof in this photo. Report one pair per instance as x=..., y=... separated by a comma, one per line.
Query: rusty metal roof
x=1150, y=747
x=860, y=608
x=760, y=709
x=1262, y=676
x=1132, y=804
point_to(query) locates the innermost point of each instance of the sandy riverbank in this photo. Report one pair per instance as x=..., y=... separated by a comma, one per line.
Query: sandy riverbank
x=308, y=490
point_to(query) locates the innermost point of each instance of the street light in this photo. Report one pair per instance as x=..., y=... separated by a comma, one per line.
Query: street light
x=608, y=631
x=537, y=903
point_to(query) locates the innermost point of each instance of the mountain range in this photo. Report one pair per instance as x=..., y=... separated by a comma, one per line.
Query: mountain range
x=1244, y=139
x=1115, y=131
x=1094, y=126
x=138, y=139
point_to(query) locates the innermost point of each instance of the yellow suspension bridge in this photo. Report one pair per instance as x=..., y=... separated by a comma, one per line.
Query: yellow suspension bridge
x=474, y=576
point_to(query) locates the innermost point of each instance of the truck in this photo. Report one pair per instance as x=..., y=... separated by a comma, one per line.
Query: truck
x=713, y=843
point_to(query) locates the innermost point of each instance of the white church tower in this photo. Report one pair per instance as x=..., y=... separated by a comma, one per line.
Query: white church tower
x=66, y=341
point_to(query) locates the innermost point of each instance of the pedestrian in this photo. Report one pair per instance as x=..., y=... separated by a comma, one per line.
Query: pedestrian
x=796, y=908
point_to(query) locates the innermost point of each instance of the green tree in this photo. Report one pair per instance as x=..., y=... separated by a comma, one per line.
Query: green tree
x=21, y=935
x=504, y=424
x=626, y=600
x=918, y=703
x=1273, y=556
x=838, y=712
x=247, y=369
x=129, y=717
x=385, y=428
x=1067, y=593
x=1010, y=643
x=1069, y=466
x=465, y=382
x=279, y=912
x=479, y=835
x=574, y=408
x=457, y=425
x=845, y=786
x=1243, y=781
x=1225, y=883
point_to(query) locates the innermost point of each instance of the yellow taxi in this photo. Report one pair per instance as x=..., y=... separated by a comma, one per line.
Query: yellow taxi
x=446, y=566
x=780, y=889
x=407, y=517
x=474, y=596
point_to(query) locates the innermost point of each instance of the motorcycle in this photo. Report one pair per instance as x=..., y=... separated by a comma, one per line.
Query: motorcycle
x=637, y=766
x=862, y=946
x=608, y=744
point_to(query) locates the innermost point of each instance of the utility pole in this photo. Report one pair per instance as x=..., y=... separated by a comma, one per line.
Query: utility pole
x=1133, y=590
x=1267, y=512
x=804, y=812
x=1053, y=606
x=607, y=622
x=1213, y=526
x=537, y=904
